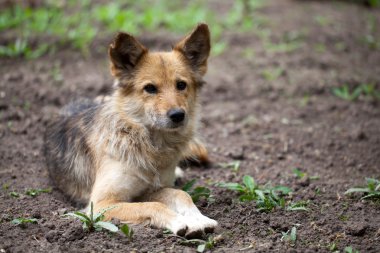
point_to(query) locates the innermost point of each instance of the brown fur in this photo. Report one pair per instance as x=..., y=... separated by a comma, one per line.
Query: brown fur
x=124, y=150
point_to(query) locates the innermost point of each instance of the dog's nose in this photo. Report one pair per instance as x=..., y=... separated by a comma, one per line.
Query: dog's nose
x=176, y=115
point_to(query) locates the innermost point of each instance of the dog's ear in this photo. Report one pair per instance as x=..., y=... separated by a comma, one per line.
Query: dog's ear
x=125, y=52
x=196, y=48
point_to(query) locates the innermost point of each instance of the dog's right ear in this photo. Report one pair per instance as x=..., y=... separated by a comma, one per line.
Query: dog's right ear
x=125, y=52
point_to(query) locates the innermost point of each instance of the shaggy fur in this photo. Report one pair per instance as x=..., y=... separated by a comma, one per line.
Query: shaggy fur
x=123, y=151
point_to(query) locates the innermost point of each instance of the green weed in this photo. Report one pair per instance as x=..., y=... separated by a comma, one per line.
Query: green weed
x=273, y=74
x=298, y=206
x=127, y=231
x=36, y=192
x=349, y=249
x=14, y=194
x=22, y=221
x=266, y=197
x=290, y=236
x=370, y=191
x=197, y=192
x=94, y=222
x=234, y=166
x=366, y=90
x=78, y=23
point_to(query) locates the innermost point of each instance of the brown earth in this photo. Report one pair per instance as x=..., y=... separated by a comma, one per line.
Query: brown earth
x=270, y=126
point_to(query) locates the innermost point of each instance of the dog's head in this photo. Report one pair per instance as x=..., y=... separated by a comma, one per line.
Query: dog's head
x=160, y=88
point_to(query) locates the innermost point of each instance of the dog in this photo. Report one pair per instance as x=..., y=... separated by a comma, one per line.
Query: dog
x=122, y=152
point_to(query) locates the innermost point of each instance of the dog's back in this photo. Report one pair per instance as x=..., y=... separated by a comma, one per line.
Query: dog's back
x=67, y=152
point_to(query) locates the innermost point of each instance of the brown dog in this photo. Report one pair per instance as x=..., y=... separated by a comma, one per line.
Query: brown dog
x=123, y=151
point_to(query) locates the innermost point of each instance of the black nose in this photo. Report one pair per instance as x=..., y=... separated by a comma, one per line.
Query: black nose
x=176, y=115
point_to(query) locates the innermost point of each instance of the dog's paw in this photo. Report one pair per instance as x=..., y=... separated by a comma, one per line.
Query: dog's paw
x=199, y=225
x=178, y=226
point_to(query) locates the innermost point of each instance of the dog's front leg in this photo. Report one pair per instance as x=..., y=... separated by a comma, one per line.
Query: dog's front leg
x=181, y=202
x=155, y=213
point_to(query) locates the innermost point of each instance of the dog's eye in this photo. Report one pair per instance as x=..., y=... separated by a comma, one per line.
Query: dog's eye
x=181, y=85
x=150, y=88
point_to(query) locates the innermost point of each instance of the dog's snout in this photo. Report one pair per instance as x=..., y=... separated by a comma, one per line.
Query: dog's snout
x=176, y=115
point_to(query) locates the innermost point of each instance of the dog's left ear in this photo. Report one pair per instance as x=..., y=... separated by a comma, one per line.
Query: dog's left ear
x=196, y=48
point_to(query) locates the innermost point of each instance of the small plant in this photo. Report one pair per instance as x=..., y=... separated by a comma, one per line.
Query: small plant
x=298, y=173
x=234, y=166
x=370, y=191
x=22, y=221
x=36, y=192
x=209, y=244
x=290, y=236
x=343, y=92
x=197, y=192
x=202, y=244
x=298, y=206
x=14, y=194
x=266, y=197
x=367, y=90
x=93, y=221
x=273, y=74
x=349, y=249
x=127, y=231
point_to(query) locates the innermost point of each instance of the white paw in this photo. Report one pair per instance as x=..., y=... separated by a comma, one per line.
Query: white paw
x=199, y=224
x=178, y=225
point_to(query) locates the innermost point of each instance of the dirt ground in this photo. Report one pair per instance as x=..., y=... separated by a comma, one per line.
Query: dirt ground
x=271, y=126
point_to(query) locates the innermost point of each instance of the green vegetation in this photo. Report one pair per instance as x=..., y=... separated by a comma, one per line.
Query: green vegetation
x=127, y=231
x=14, y=194
x=266, y=197
x=273, y=74
x=370, y=191
x=350, y=250
x=23, y=221
x=93, y=221
x=203, y=245
x=233, y=166
x=198, y=192
x=36, y=192
x=45, y=28
x=290, y=236
x=365, y=90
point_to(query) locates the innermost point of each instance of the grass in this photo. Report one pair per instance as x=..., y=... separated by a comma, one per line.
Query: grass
x=370, y=191
x=368, y=91
x=49, y=26
x=198, y=192
x=266, y=197
x=94, y=222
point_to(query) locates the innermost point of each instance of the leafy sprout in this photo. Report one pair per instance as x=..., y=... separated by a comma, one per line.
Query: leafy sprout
x=290, y=236
x=266, y=197
x=36, y=192
x=198, y=192
x=21, y=221
x=370, y=191
x=93, y=221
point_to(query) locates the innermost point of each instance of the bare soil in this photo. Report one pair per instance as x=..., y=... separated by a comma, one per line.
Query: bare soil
x=270, y=126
